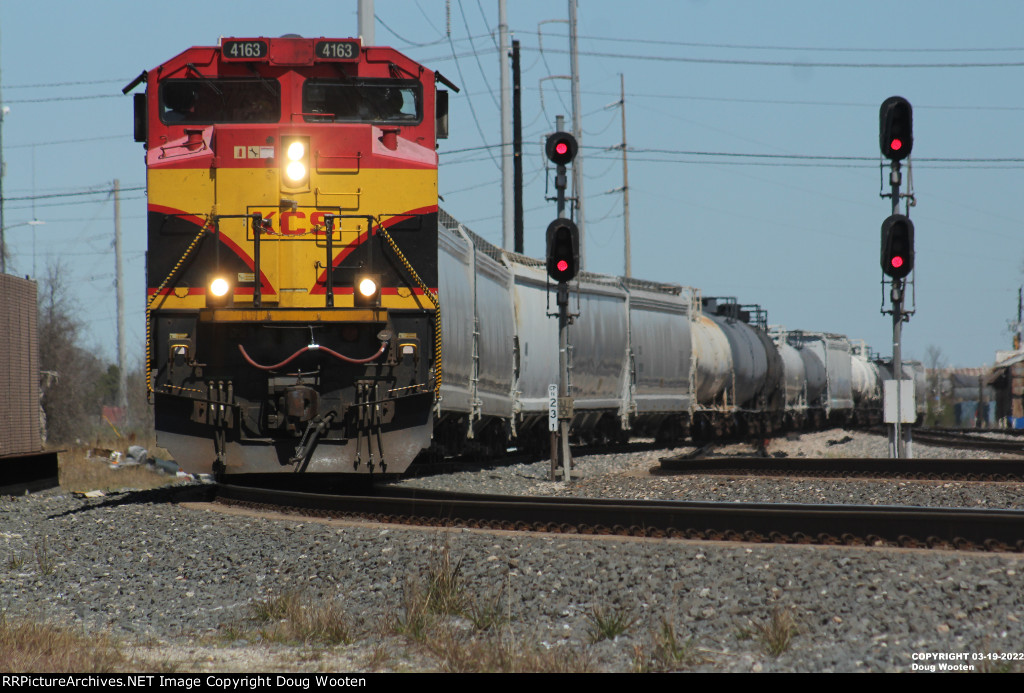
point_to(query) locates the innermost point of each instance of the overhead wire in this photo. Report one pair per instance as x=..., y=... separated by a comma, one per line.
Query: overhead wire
x=476, y=56
x=469, y=101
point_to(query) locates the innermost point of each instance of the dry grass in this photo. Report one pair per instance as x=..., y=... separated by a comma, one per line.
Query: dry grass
x=670, y=651
x=455, y=652
x=80, y=473
x=294, y=618
x=30, y=648
x=607, y=623
x=777, y=632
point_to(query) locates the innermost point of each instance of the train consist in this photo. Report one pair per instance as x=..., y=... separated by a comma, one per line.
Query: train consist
x=311, y=309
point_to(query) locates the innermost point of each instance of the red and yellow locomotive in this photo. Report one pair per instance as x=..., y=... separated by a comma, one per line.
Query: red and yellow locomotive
x=289, y=181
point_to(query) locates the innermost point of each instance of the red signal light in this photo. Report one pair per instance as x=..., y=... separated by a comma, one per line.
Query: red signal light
x=896, y=128
x=563, y=241
x=897, y=256
x=561, y=148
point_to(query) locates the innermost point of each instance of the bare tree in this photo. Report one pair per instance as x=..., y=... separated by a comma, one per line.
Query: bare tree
x=935, y=364
x=75, y=392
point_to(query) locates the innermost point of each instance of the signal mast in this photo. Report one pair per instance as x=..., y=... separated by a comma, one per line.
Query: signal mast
x=563, y=263
x=896, y=140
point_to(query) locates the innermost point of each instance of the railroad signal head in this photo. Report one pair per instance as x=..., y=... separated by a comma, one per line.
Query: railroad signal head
x=561, y=148
x=896, y=128
x=897, y=246
x=563, y=250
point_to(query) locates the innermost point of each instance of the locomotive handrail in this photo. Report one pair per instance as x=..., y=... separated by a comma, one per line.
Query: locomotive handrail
x=312, y=347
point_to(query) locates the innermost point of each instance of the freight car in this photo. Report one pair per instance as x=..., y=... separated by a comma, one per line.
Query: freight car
x=311, y=309
x=24, y=464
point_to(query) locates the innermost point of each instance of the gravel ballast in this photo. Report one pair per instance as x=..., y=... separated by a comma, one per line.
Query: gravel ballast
x=176, y=582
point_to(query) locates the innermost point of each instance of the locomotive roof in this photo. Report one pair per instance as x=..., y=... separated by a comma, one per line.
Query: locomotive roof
x=286, y=51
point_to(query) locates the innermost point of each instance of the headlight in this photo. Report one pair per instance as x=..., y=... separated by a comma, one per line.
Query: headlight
x=295, y=165
x=220, y=287
x=296, y=170
x=367, y=287
x=296, y=150
x=219, y=292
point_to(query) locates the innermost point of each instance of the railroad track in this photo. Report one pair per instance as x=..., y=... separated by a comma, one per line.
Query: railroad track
x=847, y=468
x=912, y=527
x=963, y=439
x=970, y=440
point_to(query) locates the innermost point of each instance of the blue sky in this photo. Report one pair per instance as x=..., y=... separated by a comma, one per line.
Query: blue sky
x=726, y=79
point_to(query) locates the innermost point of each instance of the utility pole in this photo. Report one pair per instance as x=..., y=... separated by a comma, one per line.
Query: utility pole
x=122, y=394
x=577, y=131
x=507, y=202
x=365, y=19
x=625, y=179
x=517, y=150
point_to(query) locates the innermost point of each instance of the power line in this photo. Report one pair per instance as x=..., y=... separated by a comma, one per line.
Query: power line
x=74, y=141
x=104, y=191
x=816, y=49
x=402, y=38
x=120, y=80
x=476, y=55
x=66, y=98
x=787, y=63
x=469, y=100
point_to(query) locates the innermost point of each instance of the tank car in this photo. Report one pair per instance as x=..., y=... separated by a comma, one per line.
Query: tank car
x=753, y=397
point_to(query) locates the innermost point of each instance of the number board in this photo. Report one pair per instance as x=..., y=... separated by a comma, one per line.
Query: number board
x=552, y=407
x=336, y=50
x=244, y=49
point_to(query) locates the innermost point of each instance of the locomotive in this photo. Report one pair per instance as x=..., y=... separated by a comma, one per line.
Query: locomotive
x=311, y=309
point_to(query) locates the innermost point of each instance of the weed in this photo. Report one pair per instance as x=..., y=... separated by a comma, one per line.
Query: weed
x=777, y=633
x=276, y=608
x=486, y=613
x=446, y=591
x=416, y=618
x=16, y=561
x=293, y=618
x=44, y=558
x=40, y=648
x=455, y=653
x=608, y=623
x=671, y=651
x=379, y=658
x=443, y=595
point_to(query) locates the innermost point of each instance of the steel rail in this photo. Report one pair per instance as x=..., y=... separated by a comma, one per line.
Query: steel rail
x=969, y=441
x=848, y=467
x=953, y=528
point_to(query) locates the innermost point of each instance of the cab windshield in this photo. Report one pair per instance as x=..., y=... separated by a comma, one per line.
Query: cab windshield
x=385, y=101
x=220, y=101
